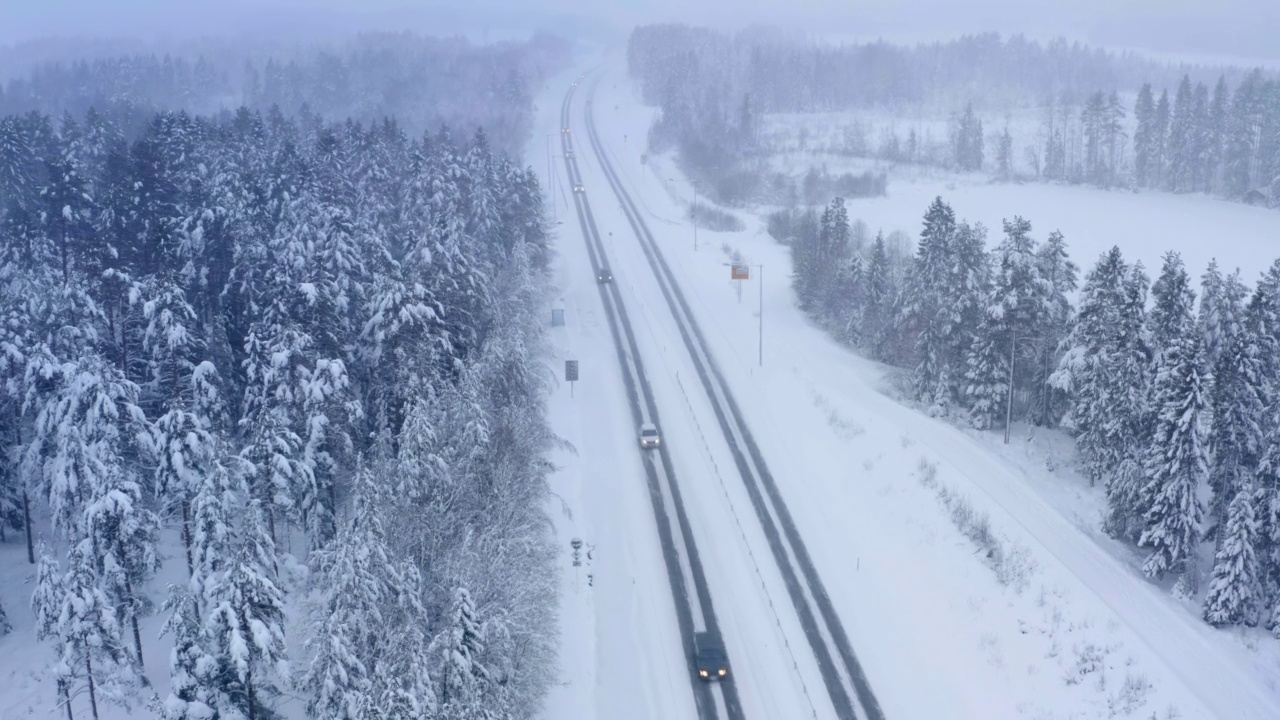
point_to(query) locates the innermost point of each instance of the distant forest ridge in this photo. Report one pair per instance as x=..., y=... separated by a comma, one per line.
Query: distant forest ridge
x=366, y=78
x=784, y=73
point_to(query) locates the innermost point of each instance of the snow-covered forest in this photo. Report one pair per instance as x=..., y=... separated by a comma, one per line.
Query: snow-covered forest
x=365, y=79
x=1170, y=392
x=290, y=360
x=1055, y=112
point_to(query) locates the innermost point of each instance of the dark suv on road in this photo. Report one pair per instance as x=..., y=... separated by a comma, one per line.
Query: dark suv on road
x=604, y=275
x=710, y=659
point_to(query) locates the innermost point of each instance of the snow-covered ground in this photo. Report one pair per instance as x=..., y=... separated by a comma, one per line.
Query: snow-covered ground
x=1143, y=224
x=1078, y=633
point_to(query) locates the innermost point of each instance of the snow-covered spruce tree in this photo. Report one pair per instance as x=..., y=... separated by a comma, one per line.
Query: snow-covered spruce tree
x=92, y=646
x=849, y=298
x=13, y=490
x=1210, y=321
x=1060, y=276
x=122, y=531
x=404, y=688
x=185, y=391
x=928, y=308
x=1266, y=507
x=833, y=256
x=1235, y=434
x=1262, y=317
x=46, y=604
x=362, y=590
x=192, y=692
x=1104, y=370
x=1143, y=111
x=1176, y=463
x=1234, y=591
x=1015, y=311
x=463, y=678
x=245, y=624
x=878, y=303
x=1173, y=302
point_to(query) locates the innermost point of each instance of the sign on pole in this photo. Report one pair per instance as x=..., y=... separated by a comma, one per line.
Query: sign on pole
x=571, y=373
x=740, y=272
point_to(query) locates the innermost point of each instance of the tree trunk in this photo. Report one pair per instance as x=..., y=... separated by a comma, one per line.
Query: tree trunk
x=133, y=613
x=248, y=687
x=26, y=521
x=93, y=696
x=186, y=536
x=65, y=696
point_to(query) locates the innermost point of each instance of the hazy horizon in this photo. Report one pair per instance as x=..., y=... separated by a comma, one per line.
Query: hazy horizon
x=1233, y=31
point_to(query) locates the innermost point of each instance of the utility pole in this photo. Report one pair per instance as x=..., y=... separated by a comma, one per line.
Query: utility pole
x=693, y=212
x=551, y=194
x=761, y=314
x=1008, y=412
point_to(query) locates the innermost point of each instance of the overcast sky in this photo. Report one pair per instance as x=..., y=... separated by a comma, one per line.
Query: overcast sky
x=1235, y=28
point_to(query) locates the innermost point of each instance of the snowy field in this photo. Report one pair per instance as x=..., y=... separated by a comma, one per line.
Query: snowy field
x=1066, y=628
x=1143, y=224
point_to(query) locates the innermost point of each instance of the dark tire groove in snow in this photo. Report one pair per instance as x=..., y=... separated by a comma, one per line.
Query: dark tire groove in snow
x=835, y=642
x=629, y=356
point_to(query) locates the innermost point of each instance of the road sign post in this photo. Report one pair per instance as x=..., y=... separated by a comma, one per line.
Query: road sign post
x=571, y=374
x=738, y=273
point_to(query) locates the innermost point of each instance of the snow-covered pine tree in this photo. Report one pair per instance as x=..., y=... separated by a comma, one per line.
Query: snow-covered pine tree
x=245, y=624
x=463, y=679
x=17, y=166
x=1216, y=134
x=92, y=646
x=1173, y=305
x=1176, y=462
x=1104, y=370
x=1160, y=146
x=1210, y=321
x=878, y=304
x=1262, y=317
x=361, y=587
x=1181, y=139
x=1237, y=397
x=1244, y=127
x=404, y=688
x=1143, y=111
x=1060, y=276
x=1234, y=591
x=924, y=307
x=83, y=431
x=192, y=692
x=46, y=604
x=849, y=299
x=1266, y=506
x=122, y=532
x=216, y=504
x=1015, y=310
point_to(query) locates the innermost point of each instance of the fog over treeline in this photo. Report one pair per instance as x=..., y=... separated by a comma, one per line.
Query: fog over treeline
x=365, y=78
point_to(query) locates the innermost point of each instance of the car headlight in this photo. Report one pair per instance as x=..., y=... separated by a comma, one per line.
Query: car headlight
x=723, y=672
x=703, y=673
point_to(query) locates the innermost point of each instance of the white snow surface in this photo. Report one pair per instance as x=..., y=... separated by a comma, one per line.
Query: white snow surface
x=1081, y=635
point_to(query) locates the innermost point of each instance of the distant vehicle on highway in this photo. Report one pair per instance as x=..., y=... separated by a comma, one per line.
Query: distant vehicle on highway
x=649, y=437
x=568, y=154
x=564, y=130
x=709, y=657
x=578, y=189
x=604, y=275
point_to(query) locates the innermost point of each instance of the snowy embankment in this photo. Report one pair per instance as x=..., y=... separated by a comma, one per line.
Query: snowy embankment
x=1075, y=631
